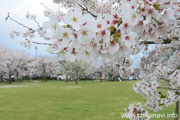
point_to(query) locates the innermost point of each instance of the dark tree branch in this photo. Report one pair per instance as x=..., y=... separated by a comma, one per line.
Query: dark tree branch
x=37, y=23
x=38, y=42
x=41, y=43
x=177, y=107
x=48, y=8
x=86, y=9
x=165, y=41
x=8, y=17
x=124, y=60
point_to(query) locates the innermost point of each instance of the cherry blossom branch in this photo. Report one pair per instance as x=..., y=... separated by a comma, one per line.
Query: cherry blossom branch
x=86, y=9
x=172, y=72
x=178, y=67
x=41, y=43
x=48, y=8
x=124, y=61
x=38, y=42
x=37, y=23
x=8, y=17
x=165, y=41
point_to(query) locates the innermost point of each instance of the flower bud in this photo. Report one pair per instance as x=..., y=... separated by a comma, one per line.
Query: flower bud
x=151, y=7
x=142, y=7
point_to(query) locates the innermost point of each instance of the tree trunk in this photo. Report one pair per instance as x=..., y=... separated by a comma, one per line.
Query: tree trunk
x=45, y=79
x=101, y=77
x=177, y=108
x=76, y=81
x=22, y=78
x=10, y=79
x=66, y=78
x=110, y=77
x=30, y=78
x=1, y=78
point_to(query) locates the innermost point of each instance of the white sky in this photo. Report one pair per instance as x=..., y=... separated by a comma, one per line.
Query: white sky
x=18, y=10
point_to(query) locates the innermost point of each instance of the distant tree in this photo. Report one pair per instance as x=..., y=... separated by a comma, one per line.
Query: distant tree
x=76, y=70
x=20, y=64
x=12, y=63
x=115, y=68
x=4, y=61
x=31, y=69
x=45, y=66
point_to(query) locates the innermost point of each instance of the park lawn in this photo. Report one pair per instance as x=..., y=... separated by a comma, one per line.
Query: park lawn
x=57, y=100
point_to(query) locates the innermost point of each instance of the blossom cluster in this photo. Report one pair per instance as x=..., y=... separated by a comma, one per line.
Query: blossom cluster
x=136, y=112
x=111, y=29
x=148, y=89
x=114, y=34
x=163, y=64
x=175, y=80
x=124, y=67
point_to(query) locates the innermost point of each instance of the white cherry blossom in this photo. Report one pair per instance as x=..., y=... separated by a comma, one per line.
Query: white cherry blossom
x=74, y=18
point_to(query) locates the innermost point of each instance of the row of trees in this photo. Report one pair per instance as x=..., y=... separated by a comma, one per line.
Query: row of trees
x=18, y=64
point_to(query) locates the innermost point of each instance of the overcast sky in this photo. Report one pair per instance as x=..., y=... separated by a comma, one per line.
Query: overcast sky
x=18, y=10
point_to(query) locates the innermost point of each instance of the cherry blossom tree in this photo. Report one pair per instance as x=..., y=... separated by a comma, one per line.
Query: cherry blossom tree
x=158, y=67
x=13, y=63
x=114, y=68
x=76, y=70
x=31, y=69
x=115, y=29
x=44, y=66
x=20, y=64
x=4, y=61
x=105, y=68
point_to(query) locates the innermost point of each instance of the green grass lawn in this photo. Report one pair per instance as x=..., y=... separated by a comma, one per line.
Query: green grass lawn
x=56, y=100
